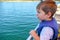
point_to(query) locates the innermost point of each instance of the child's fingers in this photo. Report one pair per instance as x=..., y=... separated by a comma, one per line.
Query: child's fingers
x=32, y=32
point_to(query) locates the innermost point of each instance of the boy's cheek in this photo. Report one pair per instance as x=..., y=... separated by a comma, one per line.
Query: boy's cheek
x=40, y=16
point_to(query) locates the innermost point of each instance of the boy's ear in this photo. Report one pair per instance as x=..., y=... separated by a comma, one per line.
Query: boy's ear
x=49, y=14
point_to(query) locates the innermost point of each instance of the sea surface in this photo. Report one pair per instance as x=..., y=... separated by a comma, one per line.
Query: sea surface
x=17, y=19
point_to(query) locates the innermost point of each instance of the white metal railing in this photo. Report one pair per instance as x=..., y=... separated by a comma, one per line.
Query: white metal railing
x=30, y=37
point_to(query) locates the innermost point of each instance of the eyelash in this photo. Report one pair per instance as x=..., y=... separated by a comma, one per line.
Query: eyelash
x=38, y=12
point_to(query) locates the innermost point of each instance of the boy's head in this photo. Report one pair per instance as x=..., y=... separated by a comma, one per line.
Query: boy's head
x=46, y=10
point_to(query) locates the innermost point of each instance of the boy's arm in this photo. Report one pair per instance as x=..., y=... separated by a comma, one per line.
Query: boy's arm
x=46, y=34
x=34, y=34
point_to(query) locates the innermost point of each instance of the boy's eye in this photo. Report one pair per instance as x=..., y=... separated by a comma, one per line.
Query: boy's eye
x=38, y=12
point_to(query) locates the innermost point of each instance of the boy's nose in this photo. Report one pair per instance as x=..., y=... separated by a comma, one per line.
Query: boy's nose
x=37, y=14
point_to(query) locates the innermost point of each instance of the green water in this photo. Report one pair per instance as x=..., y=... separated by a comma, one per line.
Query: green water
x=17, y=19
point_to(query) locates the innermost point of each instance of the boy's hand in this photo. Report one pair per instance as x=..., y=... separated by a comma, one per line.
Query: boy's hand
x=33, y=32
x=34, y=35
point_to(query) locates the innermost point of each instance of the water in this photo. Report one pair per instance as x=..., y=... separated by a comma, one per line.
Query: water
x=17, y=19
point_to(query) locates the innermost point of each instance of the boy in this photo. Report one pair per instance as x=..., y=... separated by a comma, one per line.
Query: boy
x=48, y=28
